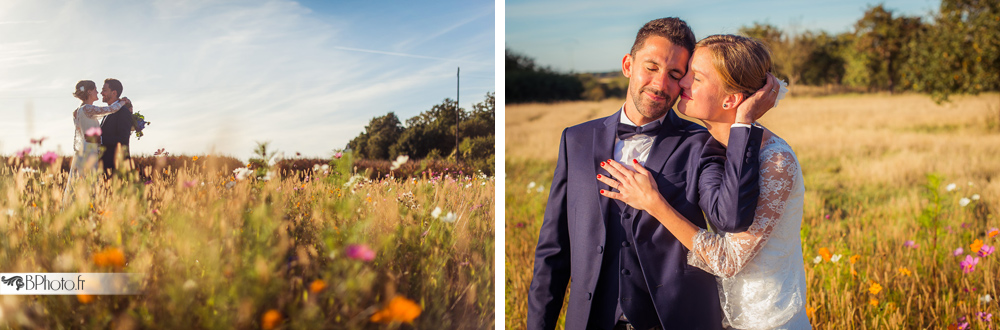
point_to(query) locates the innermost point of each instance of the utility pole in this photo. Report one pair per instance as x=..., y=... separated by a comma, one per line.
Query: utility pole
x=458, y=109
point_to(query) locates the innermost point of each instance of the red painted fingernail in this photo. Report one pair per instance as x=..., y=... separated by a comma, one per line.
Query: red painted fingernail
x=635, y=161
x=602, y=191
x=602, y=164
x=598, y=176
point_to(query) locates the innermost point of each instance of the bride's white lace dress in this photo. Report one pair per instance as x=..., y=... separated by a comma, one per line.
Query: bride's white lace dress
x=86, y=159
x=762, y=283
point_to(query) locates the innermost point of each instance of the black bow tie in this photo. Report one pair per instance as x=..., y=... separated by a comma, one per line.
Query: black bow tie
x=626, y=131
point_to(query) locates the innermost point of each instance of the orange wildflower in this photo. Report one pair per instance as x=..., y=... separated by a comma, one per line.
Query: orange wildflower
x=270, y=319
x=811, y=312
x=194, y=158
x=903, y=271
x=994, y=232
x=873, y=302
x=109, y=257
x=875, y=288
x=84, y=298
x=825, y=253
x=317, y=286
x=855, y=258
x=399, y=309
x=976, y=245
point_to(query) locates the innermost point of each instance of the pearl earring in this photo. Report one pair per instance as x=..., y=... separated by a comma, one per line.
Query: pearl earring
x=725, y=105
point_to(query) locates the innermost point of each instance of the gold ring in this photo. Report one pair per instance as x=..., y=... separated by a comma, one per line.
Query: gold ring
x=773, y=91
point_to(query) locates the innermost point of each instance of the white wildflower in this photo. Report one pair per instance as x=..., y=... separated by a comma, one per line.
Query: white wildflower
x=531, y=185
x=835, y=258
x=27, y=170
x=190, y=285
x=985, y=299
x=354, y=179
x=951, y=187
x=241, y=173
x=450, y=217
x=970, y=183
x=964, y=201
x=402, y=159
x=10, y=212
x=267, y=176
x=541, y=188
x=975, y=197
x=436, y=213
x=325, y=167
x=817, y=259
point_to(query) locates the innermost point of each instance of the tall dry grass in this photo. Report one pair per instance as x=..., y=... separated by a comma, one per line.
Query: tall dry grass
x=222, y=253
x=866, y=160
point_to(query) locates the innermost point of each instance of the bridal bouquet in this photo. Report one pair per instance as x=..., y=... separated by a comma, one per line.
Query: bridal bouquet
x=138, y=124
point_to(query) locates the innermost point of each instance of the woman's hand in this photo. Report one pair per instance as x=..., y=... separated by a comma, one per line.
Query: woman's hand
x=759, y=103
x=635, y=188
x=125, y=101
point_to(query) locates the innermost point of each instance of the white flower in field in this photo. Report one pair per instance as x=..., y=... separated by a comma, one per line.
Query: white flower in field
x=315, y=167
x=325, y=167
x=190, y=285
x=469, y=185
x=541, y=188
x=970, y=183
x=964, y=201
x=10, y=212
x=951, y=187
x=402, y=159
x=531, y=185
x=241, y=173
x=985, y=299
x=450, y=217
x=267, y=176
x=27, y=170
x=817, y=259
x=354, y=179
x=975, y=197
x=835, y=258
x=436, y=213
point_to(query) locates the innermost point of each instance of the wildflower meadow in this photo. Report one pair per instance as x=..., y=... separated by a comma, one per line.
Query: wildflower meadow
x=900, y=226
x=223, y=244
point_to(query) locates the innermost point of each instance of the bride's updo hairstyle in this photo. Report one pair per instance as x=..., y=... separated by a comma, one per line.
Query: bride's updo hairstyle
x=82, y=88
x=742, y=62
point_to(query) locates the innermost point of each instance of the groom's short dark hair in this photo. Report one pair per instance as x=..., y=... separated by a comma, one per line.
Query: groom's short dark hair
x=115, y=85
x=672, y=28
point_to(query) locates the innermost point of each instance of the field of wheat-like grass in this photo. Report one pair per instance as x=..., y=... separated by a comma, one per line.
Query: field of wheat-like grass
x=901, y=211
x=218, y=249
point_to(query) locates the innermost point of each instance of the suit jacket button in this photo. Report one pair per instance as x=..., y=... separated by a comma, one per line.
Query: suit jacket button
x=628, y=216
x=624, y=243
x=625, y=272
x=590, y=295
x=600, y=249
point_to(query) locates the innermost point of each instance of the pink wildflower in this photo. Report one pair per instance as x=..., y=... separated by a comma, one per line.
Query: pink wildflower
x=957, y=252
x=49, y=157
x=191, y=183
x=359, y=252
x=969, y=264
x=986, y=250
x=38, y=142
x=93, y=131
x=910, y=244
x=986, y=317
x=22, y=153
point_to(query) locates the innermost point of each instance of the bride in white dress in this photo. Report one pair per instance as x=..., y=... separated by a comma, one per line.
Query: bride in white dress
x=760, y=271
x=86, y=160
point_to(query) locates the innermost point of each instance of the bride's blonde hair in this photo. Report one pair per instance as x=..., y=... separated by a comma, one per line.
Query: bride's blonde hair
x=82, y=87
x=742, y=62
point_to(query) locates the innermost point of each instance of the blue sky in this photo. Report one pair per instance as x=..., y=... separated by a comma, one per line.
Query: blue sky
x=591, y=36
x=218, y=75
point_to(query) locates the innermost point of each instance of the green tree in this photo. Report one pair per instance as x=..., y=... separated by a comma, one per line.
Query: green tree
x=959, y=53
x=381, y=133
x=879, y=40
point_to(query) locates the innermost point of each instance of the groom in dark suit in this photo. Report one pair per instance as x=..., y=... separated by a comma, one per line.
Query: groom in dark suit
x=627, y=270
x=116, y=129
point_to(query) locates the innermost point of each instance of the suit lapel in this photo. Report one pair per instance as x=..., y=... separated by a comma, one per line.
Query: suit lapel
x=665, y=143
x=604, y=149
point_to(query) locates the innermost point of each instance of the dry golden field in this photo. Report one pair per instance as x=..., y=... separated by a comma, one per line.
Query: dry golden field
x=877, y=169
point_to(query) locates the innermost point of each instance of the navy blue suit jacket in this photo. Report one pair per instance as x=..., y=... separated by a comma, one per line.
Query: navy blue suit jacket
x=694, y=173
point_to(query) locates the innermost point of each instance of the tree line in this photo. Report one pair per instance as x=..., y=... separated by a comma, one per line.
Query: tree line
x=431, y=134
x=954, y=51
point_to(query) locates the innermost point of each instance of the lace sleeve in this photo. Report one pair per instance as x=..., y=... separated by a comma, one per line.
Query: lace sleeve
x=94, y=111
x=725, y=255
